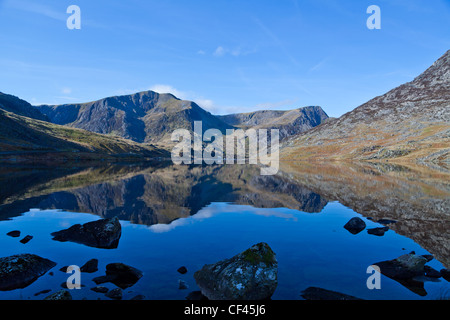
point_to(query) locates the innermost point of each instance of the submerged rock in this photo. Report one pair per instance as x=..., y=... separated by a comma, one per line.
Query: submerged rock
x=26, y=239
x=90, y=267
x=315, y=293
x=19, y=271
x=182, y=270
x=355, y=225
x=250, y=275
x=431, y=272
x=14, y=233
x=120, y=274
x=100, y=289
x=115, y=294
x=380, y=231
x=445, y=273
x=103, y=233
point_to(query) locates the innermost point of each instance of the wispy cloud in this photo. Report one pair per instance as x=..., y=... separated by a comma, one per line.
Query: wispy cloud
x=235, y=51
x=276, y=41
x=319, y=65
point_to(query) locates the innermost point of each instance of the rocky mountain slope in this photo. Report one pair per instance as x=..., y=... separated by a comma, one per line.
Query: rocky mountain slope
x=147, y=116
x=23, y=132
x=289, y=122
x=410, y=122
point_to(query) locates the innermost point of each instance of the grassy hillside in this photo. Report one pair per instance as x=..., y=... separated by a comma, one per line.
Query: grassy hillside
x=21, y=135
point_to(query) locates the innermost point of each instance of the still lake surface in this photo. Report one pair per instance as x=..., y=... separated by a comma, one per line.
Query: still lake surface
x=173, y=216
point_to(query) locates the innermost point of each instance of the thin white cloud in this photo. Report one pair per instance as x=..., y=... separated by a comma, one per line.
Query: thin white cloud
x=235, y=52
x=66, y=90
x=219, y=52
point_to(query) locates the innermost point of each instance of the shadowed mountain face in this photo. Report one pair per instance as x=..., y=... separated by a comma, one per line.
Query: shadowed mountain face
x=288, y=123
x=142, y=117
x=416, y=197
x=20, y=107
x=410, y=122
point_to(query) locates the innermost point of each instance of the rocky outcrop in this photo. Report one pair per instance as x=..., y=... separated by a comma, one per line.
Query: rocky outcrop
x=289, y=123
x=410, y=122
x=250, y=275
x=103, y=233
x=406, y=268
x=19, y=271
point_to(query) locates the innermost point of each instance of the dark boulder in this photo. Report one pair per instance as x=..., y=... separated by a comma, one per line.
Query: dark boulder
x=355, y=225
x=115, y=294
x=182, y=270
x=250, y=275
x=120, y=274
x=103, y=233
x=90, y=267
x=26, y=239
x=431, y=272
x=404, y=267
x=14, y=233
x=19, y=271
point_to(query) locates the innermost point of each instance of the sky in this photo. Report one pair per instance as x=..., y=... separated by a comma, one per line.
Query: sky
x=229, y=56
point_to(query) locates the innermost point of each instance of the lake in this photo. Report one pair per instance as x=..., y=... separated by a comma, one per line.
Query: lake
x=173, y=216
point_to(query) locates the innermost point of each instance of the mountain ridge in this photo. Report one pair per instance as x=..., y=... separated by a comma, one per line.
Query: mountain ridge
x=410, y=122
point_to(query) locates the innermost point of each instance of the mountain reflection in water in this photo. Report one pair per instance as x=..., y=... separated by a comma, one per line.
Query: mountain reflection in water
x=417, y=197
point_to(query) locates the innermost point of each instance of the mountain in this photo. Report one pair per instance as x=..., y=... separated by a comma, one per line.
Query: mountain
x=288, y=123
x=21, y=107
x=25, y=137
x=410, y=123
x=146, y=117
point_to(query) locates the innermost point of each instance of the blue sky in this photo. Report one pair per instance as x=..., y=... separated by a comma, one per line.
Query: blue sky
x=227, y=55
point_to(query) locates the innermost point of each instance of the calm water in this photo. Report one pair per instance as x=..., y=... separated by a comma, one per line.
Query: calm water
x=191, y=216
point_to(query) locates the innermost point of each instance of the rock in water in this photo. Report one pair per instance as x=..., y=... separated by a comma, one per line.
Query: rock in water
x=103, y=233
x=90, y=267
x=122, y=275
x=19, y=271
x=380, y=231
x=250, y=275
x=404, y=267
x=355, y=225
